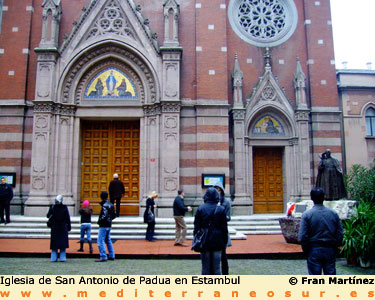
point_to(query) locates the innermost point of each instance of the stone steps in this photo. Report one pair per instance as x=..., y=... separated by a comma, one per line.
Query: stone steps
x=134, y=228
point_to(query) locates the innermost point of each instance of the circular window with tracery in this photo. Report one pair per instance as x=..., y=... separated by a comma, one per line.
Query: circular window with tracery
x=263, y=23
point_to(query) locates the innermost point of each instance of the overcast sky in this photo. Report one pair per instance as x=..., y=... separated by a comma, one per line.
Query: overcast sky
x=354, y=32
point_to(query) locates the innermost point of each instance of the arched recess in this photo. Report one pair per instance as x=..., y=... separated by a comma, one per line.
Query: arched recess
x=79, y=70
x=270, y=134
x=108, y=133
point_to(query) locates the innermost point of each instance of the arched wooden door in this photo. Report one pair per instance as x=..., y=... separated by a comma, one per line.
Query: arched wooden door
x=268, y=180
x=110, y=147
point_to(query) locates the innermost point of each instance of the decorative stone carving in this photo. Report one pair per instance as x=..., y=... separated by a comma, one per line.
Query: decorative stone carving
x=238, y=114
x=170, y=122
x=43, y=107
x=38, y=183
x=268, y=93
x=107, y=50
x=263, y=23
x=113, y=21
x=170, y=184
x=41, y=121
x=151, y=110
x=171, y=107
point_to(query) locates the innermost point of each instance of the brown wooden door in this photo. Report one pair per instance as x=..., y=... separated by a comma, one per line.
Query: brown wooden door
x=268, y=180
x=108, y=148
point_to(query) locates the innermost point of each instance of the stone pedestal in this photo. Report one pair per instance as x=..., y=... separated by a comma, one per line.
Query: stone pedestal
x=344, y=208
x=290, y=228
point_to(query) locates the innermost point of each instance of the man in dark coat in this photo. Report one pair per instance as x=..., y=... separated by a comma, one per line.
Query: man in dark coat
x=59, y=217
x=179, y=210
x=6, y=195
x=320, y=235
x=107, y=214
x=116, y=190
x=211, y=216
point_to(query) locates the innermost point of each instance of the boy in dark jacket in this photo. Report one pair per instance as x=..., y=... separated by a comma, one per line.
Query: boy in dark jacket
x=107, y=214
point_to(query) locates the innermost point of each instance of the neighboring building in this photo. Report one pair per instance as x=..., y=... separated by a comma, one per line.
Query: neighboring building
x=162, y=92
x=357, y=95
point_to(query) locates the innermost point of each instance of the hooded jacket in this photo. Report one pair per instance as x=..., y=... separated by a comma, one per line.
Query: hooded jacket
x=224, y=201
x=211, y=215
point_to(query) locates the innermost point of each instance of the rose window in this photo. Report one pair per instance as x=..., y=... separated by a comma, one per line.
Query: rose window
x=263, y=23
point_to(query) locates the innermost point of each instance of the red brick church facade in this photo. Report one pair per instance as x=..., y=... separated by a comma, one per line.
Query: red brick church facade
x=163, y=92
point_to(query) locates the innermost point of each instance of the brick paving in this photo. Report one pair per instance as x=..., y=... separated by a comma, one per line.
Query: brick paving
x=253, y=245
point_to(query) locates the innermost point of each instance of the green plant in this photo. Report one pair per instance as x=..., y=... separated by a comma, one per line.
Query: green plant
x=360, y=183
x=350, y=239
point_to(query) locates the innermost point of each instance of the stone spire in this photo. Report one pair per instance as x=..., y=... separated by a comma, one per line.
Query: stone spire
x=52, y=12
x=267, y=60
x=300, y=86
x=171, y=18
x=237, y=77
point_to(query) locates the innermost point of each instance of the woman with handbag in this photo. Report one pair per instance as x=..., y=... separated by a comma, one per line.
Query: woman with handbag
x=149, y=216
x=210, y=224
x=59, y=221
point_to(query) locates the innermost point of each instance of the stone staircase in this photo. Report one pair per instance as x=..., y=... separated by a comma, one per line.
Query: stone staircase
x=134, y=228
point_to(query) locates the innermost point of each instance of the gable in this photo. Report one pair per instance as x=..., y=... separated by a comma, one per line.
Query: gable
x=111, y=20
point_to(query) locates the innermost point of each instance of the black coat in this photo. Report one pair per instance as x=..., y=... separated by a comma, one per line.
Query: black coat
x=6, y=193
x=217, y=237
x=179, y=207
x=107, y=214
x=149, y=205
x=116, y=189
x=60, y=218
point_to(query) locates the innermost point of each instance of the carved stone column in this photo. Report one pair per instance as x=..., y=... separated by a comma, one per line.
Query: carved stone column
x=41, y=158
x=302, y=124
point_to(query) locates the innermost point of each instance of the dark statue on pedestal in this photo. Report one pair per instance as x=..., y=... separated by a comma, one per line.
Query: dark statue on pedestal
x=330, y=177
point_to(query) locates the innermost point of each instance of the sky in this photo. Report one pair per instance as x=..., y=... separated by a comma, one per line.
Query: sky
x=353, y=32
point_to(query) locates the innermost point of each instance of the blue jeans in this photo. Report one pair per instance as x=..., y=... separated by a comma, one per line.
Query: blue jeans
x=104, y=236
x=321, y=259
x=85, y=228
x=54, y=255
x=211, y=262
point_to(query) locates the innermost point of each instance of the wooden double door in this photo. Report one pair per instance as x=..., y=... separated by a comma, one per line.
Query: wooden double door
x=110, y=147
x=268, y=180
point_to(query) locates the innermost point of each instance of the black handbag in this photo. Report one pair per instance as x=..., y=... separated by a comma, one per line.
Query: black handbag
x=150, y=216
x=49, y=221
x=199, y=239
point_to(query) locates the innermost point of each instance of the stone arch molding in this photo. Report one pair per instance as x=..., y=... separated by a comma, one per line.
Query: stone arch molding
x=89, y=63
x=268, y=97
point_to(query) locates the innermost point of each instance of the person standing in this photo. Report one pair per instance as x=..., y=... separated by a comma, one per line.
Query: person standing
x=85, y=211
x=6, y=195
x=179, y=210
x=107, y=214
x=320, y=235
x=149, y=216
x=227, y=207
x=211, y=217
x=116, y=190
x=59, y=219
